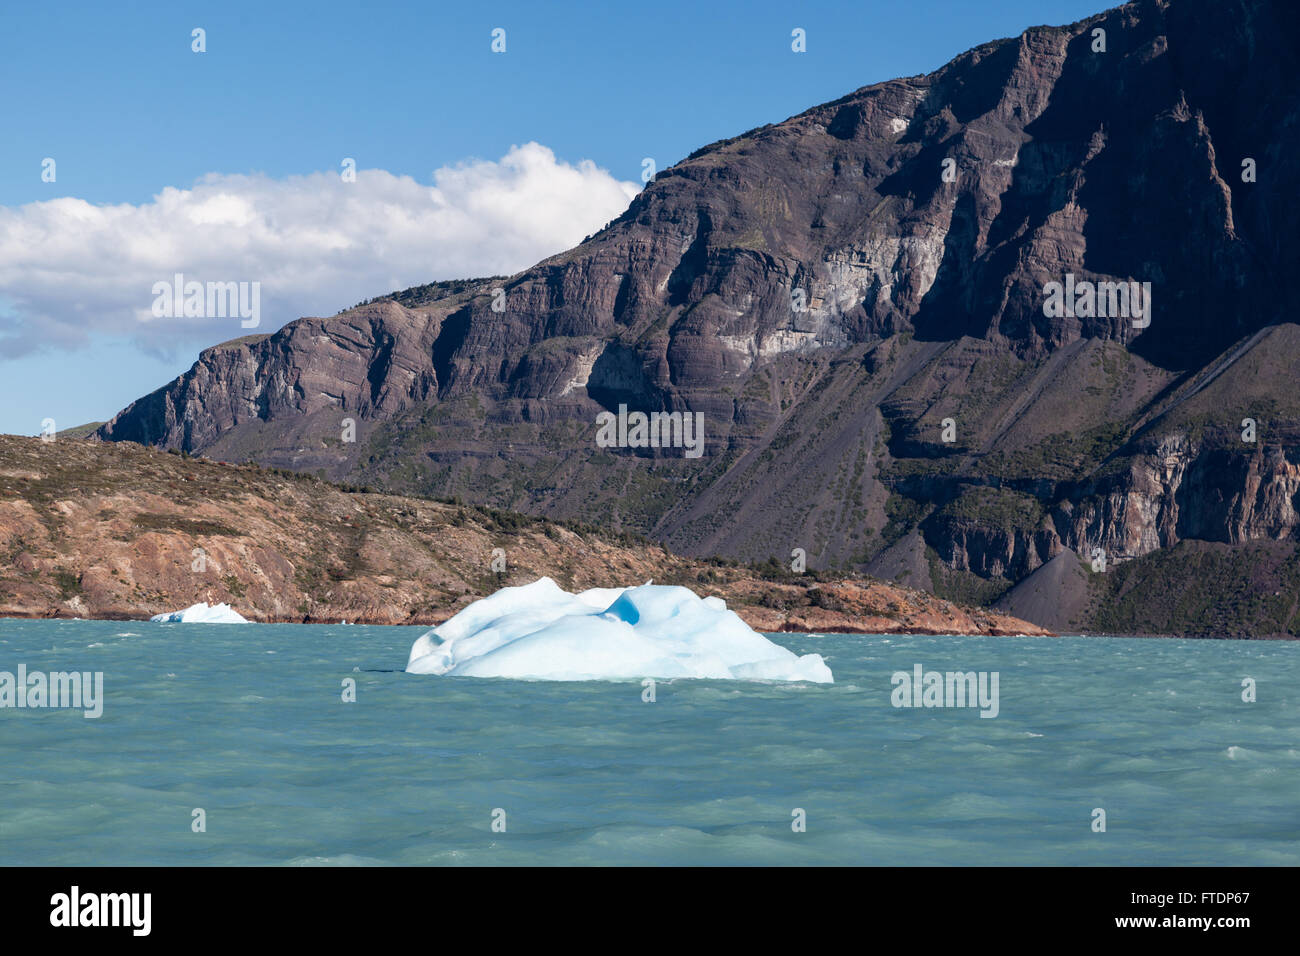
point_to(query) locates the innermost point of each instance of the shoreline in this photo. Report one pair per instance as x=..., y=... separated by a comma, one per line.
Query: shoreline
x=885, y=627
x=120, y=531
x=59, y=614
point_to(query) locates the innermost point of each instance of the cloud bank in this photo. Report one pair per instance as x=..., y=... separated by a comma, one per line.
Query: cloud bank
x=70, y=270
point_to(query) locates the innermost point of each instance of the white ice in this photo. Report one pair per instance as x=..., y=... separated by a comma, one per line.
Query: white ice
x=541, y=632
x=202, y=613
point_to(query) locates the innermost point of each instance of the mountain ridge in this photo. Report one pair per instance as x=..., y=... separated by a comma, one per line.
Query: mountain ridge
x=923, y=306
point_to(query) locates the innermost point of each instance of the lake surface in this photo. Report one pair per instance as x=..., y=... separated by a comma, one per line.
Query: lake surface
x=247, y=722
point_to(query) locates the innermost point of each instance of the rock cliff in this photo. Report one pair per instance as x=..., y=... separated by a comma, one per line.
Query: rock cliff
x=858, y=302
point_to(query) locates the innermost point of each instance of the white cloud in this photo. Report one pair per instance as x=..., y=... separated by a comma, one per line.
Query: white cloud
x=70, y=270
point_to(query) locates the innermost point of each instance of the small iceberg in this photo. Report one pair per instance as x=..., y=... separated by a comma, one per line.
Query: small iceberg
x=202, y=613
x=541, y=632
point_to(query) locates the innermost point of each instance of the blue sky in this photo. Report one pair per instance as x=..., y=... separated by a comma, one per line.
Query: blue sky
x=115, y=95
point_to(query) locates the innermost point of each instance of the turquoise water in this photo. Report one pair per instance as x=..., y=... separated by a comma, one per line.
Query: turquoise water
x=247, y=723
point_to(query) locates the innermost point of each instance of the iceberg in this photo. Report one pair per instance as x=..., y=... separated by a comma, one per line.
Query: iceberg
x=539, y=631
x=202, y=613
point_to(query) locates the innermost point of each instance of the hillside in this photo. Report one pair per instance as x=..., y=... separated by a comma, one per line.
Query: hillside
x=868, y=339
x=125, y=532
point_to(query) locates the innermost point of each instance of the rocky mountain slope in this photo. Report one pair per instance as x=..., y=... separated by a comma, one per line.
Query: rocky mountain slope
x=856, y=302
x=124, y=532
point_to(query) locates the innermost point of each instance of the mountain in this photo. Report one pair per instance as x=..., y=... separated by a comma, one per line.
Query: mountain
x=119, y=532
x=866, y=305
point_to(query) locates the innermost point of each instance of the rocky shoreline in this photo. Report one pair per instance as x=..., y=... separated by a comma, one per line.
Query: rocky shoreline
x=122, y=532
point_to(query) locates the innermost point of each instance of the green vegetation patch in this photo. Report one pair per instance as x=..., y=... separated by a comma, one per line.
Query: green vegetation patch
x=1202, y=589
x=963, y=587
x=192, y=526
x=988, y=507
x=1063, y=456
